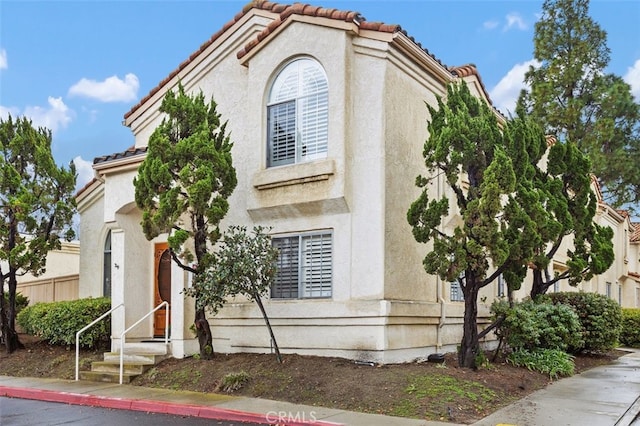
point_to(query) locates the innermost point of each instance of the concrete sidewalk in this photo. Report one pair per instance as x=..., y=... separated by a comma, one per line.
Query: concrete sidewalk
x=607, y=395
x=212, y=406
x=603, y=396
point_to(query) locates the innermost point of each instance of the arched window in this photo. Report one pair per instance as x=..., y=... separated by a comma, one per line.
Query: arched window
x=106, y=269
x=298, y=114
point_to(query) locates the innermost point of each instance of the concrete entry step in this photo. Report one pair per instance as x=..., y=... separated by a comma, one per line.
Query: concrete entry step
x=137, y=358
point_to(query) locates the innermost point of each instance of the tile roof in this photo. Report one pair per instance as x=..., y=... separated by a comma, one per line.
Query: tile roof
x=467, y=71
x=85, y=187
x=623, y=213
x=635, y=235
x=130, y=152
x=285, y=11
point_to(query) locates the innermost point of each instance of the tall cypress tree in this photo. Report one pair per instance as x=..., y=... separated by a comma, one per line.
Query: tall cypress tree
x=466, y=145
x=183, y=185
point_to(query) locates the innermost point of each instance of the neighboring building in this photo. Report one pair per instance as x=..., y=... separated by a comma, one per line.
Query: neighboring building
x=60, y=280
x=327, y=116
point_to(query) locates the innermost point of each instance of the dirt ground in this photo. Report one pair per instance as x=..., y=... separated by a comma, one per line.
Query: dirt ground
x=421, y=390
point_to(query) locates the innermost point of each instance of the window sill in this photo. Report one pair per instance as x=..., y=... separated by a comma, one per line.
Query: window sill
x=294, y=174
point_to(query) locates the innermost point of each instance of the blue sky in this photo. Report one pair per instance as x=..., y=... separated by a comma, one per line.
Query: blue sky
x=78, y=66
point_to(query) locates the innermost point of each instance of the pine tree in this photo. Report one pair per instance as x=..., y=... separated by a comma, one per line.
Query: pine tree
x=573, y=98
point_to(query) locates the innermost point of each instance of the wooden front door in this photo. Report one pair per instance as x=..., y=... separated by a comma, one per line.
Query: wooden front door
x=162, y=287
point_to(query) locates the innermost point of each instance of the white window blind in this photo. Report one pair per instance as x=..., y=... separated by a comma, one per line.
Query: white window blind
x=304, y=266
x=316, y=265
x=298, y=114
x=286, y=285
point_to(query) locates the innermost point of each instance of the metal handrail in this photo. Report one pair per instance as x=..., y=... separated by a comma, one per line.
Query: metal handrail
x=166, y=333
x=85, y=329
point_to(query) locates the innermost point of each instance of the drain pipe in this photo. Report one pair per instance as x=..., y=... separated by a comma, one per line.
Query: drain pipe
x=440, y=286
x=443, y=314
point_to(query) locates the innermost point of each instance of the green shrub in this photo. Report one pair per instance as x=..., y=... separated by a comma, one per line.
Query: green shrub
x=630, y=331
x=530, y=326
x=58, y=322
x=21, y=301
x=600, y=316
x=553, y=362
x=234, y=381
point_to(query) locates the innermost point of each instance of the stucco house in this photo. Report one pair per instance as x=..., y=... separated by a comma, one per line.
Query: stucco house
x=327, y=115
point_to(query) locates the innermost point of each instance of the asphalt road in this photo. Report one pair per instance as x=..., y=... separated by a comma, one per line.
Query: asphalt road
x=24, y=412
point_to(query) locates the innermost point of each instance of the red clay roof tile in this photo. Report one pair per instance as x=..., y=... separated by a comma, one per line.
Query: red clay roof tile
x=635, y=235
x=469, y=70
x=285, y=11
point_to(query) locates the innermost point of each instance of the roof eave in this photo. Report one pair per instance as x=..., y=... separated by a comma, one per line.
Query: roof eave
x=120, y=164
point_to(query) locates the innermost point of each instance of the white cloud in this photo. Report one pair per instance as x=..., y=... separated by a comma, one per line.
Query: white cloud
x=3, y=60
x=5, y=111
x=54, y=117
x=112, y=89
x=505, y=94
x=632, y=77
x=84, y=169
x=490, y=25
x=515, y=20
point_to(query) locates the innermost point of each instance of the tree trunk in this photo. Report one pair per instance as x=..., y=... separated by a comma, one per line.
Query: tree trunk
x=470, y=345
x=256, y=296
x=8, y=316
x=203, y=331
x=538, y=287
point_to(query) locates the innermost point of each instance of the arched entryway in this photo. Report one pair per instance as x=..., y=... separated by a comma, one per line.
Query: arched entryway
x=162, y=287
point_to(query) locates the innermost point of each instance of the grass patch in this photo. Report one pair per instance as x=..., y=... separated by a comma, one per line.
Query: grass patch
x=451, y=393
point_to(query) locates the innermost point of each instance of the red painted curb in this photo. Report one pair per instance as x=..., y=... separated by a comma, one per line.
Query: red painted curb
x=162, y=407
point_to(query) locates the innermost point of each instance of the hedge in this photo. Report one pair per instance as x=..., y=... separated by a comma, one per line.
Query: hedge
x=58, y=322
x=630, y=331
x=533, y=326
x=600, y=316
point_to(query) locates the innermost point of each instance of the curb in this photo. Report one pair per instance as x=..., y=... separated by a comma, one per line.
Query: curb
x=630, y=415
x=161, y=407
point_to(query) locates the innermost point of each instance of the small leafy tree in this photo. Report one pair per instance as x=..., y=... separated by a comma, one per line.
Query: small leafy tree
x=466, y=145
x=36, y=205
x=183, y=185
x=245, y=264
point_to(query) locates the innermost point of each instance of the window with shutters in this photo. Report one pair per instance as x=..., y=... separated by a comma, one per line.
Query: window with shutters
x=298, y=114
x=304, y=266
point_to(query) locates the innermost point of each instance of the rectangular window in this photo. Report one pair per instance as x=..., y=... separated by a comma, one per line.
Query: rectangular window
x=456, y=294
x=500, y=286
x=304, y=266
x=609, y=290
x=620, y=294
x=556, y=286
